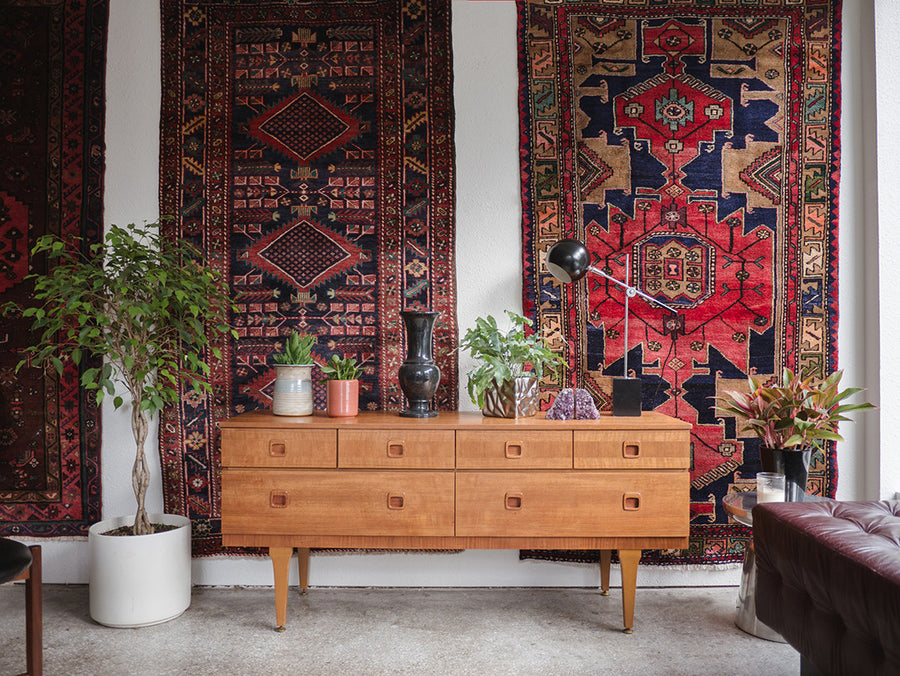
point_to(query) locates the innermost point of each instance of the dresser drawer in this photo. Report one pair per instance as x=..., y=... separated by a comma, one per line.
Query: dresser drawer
x=572, y=504
x=637, y=449
x=400, y=448
x=513, y=449
x=321, y=502
x=279, y=448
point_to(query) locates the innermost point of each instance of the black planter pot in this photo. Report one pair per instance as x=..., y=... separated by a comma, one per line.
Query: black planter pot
x=419, y=376
x=793, y=463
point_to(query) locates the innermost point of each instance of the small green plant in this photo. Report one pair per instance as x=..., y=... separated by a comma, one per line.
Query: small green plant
x=793, y=412
x=337, y=368
x=297, y=349
x=140, y=308
x=504, y=355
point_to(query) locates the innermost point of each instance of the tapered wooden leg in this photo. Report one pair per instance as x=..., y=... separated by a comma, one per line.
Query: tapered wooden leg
x=629, y=559
x=281, y=562
x=34, y=632
x=303, y=565
x=605, y=559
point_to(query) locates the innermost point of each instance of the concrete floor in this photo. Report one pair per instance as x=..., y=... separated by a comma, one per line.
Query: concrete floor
x=403, y=631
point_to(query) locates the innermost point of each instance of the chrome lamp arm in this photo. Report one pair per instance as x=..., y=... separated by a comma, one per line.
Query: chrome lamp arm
x=568, y=261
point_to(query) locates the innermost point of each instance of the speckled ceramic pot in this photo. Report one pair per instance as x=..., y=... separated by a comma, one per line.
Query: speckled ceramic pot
x=293, y=390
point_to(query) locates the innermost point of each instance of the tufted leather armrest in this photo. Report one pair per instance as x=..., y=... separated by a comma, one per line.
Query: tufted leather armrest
x=829, y=581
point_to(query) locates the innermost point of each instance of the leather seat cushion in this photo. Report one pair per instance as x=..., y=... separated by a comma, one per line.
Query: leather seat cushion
x=829, y=581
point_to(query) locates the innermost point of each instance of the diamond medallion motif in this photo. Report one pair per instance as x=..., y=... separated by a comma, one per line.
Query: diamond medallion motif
x=305, y=126
x=303, y=254
x=678, y=269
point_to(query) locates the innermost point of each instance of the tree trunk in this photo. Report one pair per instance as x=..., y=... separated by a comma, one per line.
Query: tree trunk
x=140, y=474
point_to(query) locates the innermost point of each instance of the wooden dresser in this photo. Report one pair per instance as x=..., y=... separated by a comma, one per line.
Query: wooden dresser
x=456, y=481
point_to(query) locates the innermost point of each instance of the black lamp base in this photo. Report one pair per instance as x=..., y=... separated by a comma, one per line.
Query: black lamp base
x=626, y=398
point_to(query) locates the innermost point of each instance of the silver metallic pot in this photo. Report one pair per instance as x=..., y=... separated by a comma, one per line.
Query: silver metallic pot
x=517, y=398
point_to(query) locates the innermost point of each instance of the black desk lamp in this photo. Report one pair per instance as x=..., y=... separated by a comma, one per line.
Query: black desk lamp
x=568, y=260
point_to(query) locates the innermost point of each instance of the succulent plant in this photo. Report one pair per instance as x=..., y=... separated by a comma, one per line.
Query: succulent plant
x=337, y=368
x=297, y=349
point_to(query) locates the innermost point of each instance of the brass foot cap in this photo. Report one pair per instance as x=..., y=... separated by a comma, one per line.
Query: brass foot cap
x=279, y=628
x=628, y=630
x=604, y=592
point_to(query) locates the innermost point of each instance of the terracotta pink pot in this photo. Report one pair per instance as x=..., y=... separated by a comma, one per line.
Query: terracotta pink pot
x=342, y=398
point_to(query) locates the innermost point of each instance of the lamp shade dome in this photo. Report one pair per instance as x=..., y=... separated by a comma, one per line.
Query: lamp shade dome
x=568, y=260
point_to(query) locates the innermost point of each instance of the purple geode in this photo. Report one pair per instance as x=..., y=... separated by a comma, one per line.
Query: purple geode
x=563, y=407
x=573, y=403
x=585, y=408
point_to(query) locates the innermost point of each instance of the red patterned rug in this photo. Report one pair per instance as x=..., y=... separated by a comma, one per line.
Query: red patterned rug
x=307, y=148
x=701, y=140
x=51, y=178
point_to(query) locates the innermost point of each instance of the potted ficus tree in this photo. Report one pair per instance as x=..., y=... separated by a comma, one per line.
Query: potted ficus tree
x=142, y=311
x=506, y=382
x=342, y=387
x=292, y=393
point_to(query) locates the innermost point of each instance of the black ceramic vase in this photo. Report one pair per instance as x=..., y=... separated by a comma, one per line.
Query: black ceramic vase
x=793, y=463
x=419, y=375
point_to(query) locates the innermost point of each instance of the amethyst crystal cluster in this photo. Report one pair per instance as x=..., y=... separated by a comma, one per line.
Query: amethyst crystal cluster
x=573, y=403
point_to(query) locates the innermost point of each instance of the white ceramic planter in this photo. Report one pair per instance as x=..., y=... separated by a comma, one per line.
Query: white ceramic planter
x=141, y=580
x=292, y=393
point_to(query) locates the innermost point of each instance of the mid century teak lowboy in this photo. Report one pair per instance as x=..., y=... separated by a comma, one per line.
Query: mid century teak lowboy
x=456, y=481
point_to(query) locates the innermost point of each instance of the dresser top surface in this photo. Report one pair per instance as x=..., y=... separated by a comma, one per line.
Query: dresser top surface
x=649, y=420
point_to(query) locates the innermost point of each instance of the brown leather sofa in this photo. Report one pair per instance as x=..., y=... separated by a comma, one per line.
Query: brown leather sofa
x=828, y=580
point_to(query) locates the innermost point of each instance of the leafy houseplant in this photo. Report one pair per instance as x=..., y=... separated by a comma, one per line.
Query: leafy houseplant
x=337, y=368
x=342, y=386
x=791, y=417
x=140, y=305
x=504, y=356
x=794, y=412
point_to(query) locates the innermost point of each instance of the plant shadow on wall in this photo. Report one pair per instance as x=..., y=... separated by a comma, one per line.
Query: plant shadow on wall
x=139, y=311
x=792, y=417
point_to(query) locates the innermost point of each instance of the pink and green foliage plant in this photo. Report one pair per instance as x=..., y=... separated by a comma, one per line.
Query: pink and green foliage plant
x=794, y=412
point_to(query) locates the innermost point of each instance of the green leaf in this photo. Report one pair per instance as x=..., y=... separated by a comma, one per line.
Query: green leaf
x=57, y=364
x=827, y=434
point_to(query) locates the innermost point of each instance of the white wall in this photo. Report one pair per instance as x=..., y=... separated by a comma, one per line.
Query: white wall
x=488, y=238
x=883, y=470
x=858, y=310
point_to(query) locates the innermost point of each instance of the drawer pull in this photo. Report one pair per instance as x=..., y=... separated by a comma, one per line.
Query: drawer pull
x=514, y=449
x=514, y=500
x=396, y=500
x=278, y=499
x=396, y=449
x=631, y=502
x=277, y=449
x=631, y=449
